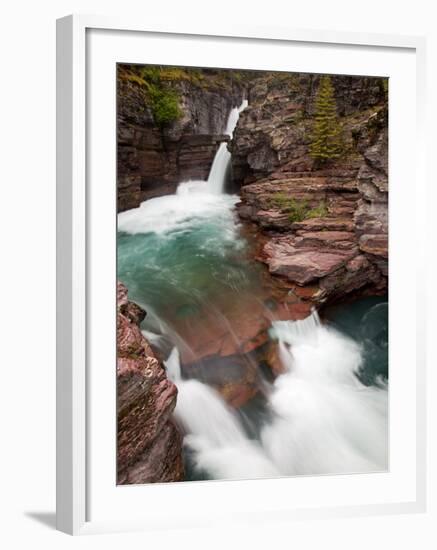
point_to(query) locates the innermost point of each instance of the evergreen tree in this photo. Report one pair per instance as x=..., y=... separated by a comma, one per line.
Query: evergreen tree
x=326, y=138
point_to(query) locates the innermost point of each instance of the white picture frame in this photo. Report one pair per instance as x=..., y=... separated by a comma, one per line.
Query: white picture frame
x=74, y=289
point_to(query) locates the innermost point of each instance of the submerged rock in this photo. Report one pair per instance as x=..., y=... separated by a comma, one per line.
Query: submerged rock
x=149, y=445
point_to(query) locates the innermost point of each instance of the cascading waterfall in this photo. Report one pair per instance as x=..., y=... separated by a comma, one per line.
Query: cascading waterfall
x=222, y=159
x=214, y=432
x=192, y=200
x=323, y=421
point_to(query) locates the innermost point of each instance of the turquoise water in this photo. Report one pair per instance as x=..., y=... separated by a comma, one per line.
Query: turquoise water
x=366, y=321
x=185, y=260
x=176, y=273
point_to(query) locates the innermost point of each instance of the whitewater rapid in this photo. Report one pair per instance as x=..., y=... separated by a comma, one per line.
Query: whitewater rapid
x=323, y=420
x=214, y=433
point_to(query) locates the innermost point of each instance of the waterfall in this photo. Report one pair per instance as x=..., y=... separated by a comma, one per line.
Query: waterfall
x=323, y=419
x=193, y=200
x=214, y=432
x=222, y=160
x=290, y=332
x=234, y=116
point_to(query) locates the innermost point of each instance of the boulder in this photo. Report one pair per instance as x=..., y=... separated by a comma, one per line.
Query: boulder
x=302, y=265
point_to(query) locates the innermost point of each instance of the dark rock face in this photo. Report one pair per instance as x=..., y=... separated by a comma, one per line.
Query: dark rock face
x=149, y=445
x=274, y=131
x=343, y=247
x=152, y=159
x=371, y=215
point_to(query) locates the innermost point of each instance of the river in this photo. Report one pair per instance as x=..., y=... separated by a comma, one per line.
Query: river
x=185, y=259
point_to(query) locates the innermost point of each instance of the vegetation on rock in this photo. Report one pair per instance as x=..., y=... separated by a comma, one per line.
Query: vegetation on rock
x=326, y=141
x=165, y=105
x=296, y=210
x=161, y=98
x=162, y=85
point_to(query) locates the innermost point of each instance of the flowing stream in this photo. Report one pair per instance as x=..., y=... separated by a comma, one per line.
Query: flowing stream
x=220, y=166
x=186, y=260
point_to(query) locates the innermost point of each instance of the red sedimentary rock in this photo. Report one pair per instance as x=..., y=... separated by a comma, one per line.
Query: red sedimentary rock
x=149, y=445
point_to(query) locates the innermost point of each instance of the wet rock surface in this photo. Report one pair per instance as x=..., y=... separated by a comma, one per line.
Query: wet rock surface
x=149, y=445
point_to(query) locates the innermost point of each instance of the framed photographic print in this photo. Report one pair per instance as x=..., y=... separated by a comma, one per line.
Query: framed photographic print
x=233, y=341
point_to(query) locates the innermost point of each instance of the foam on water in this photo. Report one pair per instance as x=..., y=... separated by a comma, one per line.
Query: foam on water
x=193, y=204
x=323, y=421
x=214, y=432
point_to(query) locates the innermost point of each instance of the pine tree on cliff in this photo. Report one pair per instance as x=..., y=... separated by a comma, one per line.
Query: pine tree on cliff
x=326, y=141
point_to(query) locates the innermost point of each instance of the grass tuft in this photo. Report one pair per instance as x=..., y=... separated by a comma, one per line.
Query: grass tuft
x=296, y=210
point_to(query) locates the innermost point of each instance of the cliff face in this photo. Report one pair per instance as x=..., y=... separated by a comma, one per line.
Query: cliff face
x=149, y=448
x=325, y=223
x=152, y=156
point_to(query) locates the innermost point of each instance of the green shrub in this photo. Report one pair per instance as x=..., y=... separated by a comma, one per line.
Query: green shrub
x=151, y=74
x=281, y=200
x=160, y=97
x=164, y=104
x=319, y=211
x=296, y=210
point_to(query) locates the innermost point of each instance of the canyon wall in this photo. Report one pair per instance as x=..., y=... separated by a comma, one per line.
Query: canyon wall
x=149, y=445
x=153, y=156
x=322, y=225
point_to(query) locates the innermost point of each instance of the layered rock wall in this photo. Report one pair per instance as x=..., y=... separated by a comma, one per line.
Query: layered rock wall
x=149, y=445
x=326, y=223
